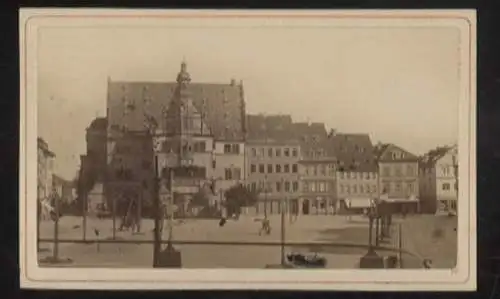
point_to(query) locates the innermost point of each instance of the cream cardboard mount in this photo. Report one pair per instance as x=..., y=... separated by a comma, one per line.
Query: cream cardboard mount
x=326, y=206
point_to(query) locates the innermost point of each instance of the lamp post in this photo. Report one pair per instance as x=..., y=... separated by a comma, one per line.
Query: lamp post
x=55, y=251
x=156, y=198
x=171, y=210
x=283, y=202
x=371, y=260
x=84, y=211
x=265, y=196
x=455, y=173
x=283, y=230
x=55, y=259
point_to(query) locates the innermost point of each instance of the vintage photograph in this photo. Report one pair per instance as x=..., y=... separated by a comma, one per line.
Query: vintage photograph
x=197, y=140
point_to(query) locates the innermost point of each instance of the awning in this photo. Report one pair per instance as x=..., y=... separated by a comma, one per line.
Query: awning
x=411, y=199
x=359, y=203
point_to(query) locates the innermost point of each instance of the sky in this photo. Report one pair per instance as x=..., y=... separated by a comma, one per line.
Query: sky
x=400, y=85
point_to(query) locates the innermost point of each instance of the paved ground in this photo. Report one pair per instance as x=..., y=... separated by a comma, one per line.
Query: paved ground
x=432, y=237
x=305, y=229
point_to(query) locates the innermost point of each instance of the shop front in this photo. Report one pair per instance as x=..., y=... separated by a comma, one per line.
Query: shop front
x=408, y=205
x=355, y=205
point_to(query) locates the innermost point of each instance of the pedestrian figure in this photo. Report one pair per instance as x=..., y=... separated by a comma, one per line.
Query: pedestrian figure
x=125, y=223
x=222, y=222
x=266, y=227
x=427, y=263
x=163, y=214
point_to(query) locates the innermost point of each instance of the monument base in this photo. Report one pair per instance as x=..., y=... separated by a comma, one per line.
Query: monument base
x=371, y=261
x=170, y=258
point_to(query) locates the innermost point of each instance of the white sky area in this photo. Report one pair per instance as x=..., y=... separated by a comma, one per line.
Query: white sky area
x=399, y=85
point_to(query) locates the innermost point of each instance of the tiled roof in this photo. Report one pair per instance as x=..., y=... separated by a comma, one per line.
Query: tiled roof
x=385, y=154
x=433, y=155
x=313, y=137
x=99, y=124
x=271, y=128
x=222, y=105
x=354, y=152
x=379, y=148
x=306, y=131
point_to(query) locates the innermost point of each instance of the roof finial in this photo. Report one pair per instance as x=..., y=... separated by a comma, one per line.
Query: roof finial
x=183, y=64
x=183, y=76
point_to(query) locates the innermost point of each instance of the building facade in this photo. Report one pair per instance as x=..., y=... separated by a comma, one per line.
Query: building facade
x=93, y=169
x=439, y=180
x=357, y=171
x=45, y=159
x=317, y=169
x=178, y=123
x=399, y=177
x=272, y=160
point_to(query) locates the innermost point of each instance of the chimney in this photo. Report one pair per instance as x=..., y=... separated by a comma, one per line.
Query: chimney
x=233, y=82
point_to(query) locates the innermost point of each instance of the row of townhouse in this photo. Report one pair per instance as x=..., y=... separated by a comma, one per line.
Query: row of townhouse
x=153, y=126
x=323, y=173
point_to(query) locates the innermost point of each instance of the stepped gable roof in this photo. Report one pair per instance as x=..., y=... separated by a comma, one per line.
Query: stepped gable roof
x=354, y=152
x=131, y=104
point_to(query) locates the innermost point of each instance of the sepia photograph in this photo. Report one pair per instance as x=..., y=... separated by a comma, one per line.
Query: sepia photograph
x=264, y=149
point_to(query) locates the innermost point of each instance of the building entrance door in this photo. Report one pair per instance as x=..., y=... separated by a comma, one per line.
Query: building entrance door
x=305, y=207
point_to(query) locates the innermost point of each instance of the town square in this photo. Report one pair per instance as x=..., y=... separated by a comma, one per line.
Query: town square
x=158, y=159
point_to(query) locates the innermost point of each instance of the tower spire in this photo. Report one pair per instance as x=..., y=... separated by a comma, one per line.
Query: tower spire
x=183, y=77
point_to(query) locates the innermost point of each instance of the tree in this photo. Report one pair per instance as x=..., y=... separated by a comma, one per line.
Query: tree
x=239, y=196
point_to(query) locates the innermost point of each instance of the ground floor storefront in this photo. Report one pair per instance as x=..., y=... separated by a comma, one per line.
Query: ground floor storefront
x=446, y=205
x=359, y=205
x=298, y=206
x=437, y=205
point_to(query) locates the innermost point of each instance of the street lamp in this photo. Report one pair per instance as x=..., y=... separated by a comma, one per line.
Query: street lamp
x=55, y=259
x=371, y=259
x=265, y=196
x=283, y=211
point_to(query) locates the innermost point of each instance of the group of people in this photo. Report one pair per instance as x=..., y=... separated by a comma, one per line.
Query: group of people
x=131, y=218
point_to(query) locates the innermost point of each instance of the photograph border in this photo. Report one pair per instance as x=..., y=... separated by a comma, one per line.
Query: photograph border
x=463, y=277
